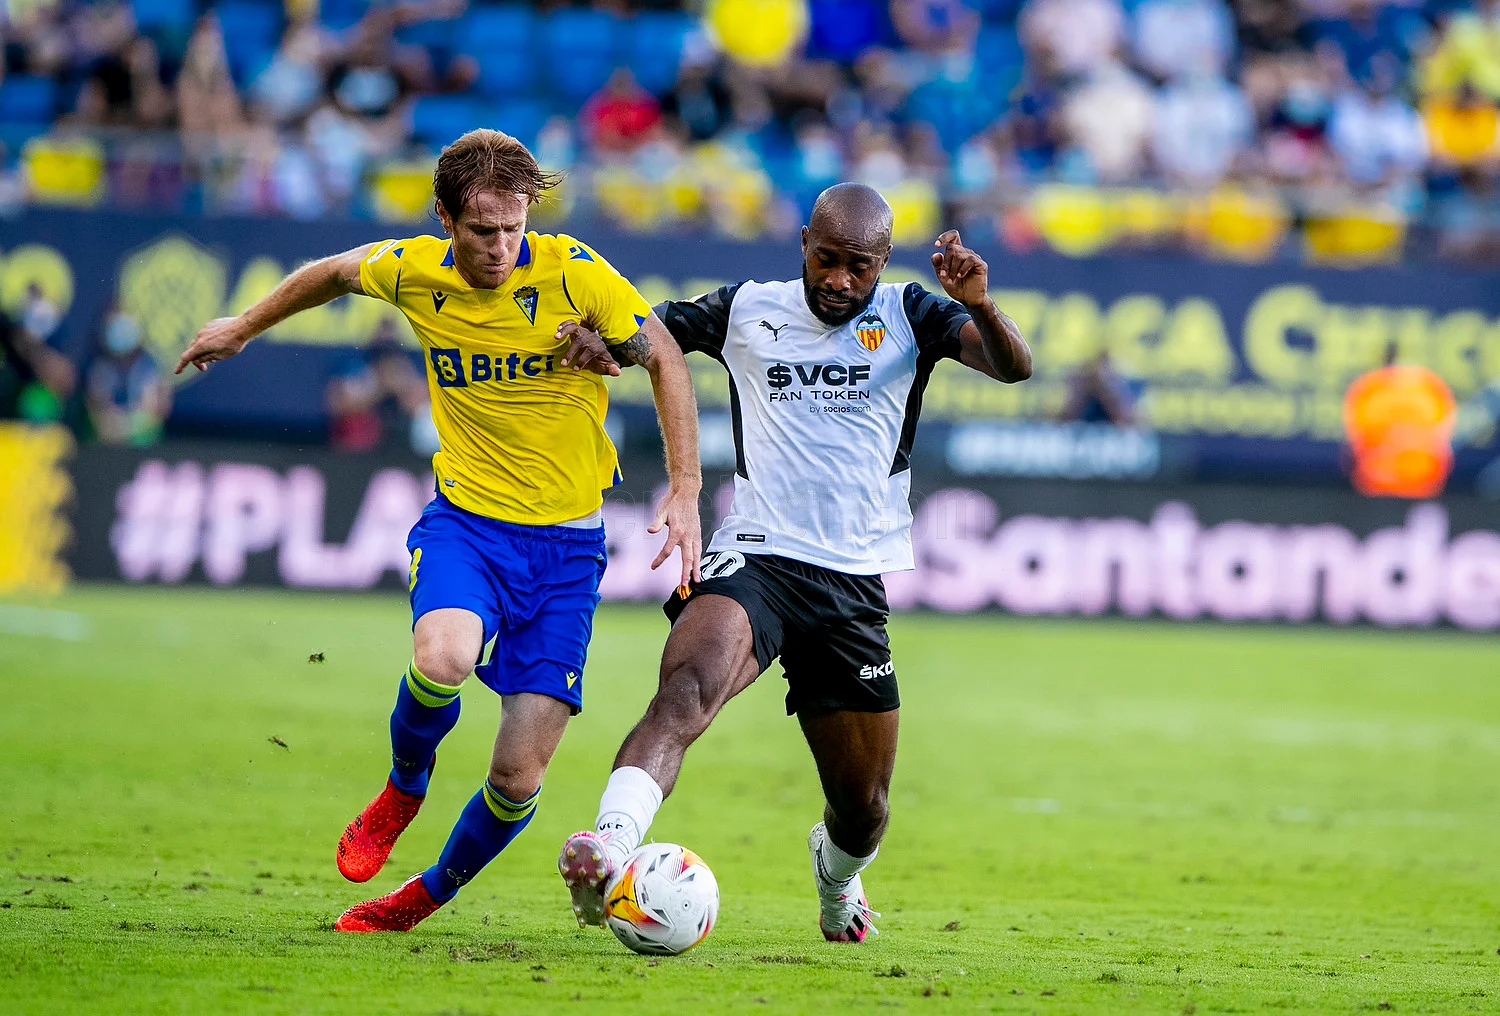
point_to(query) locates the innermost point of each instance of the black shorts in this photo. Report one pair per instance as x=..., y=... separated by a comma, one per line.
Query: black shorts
x=828, y=627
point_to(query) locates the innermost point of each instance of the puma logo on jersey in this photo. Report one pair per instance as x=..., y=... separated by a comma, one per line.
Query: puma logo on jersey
x=438, y=299
x=870, y=672
x=774, y=330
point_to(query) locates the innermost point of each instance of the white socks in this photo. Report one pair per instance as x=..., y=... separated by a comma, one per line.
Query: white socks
x=629, y=803
x=837, y=869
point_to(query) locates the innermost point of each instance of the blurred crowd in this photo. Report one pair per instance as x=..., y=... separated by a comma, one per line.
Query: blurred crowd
x=1326, y=129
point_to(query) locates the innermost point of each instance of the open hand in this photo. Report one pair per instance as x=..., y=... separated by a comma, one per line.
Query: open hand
x=587, y=351
x=679, y=513
x=218, y=340
x=963, y=274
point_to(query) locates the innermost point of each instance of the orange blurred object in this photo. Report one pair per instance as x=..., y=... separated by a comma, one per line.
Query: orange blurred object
x=1399, y=421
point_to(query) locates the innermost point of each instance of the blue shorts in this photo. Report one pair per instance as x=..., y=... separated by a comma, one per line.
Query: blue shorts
x=534, y=587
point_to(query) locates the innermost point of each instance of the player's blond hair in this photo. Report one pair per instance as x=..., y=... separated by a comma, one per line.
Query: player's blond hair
x=484, y=160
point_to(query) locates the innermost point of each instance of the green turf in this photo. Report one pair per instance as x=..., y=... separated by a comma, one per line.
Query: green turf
x=1088, y=817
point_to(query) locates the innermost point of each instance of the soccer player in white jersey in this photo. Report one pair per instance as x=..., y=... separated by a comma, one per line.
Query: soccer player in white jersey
x=826, y=379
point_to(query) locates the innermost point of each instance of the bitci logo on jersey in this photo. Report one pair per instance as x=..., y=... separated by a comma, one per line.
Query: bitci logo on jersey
x=871, y=331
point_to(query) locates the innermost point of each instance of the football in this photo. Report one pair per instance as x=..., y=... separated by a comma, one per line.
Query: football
x=664, y=902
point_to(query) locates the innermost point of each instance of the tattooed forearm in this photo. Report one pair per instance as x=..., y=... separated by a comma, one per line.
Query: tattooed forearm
x=634, y=350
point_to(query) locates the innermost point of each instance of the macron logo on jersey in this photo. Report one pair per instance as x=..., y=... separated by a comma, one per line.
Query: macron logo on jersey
x=438, y=299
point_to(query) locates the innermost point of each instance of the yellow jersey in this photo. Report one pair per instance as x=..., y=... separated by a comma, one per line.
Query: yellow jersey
x=522, y=437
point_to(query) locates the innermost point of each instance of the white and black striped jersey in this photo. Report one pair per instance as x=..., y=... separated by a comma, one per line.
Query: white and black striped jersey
x=823, y=417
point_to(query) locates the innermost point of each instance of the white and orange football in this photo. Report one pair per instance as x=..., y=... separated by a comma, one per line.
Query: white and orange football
x=664, y=901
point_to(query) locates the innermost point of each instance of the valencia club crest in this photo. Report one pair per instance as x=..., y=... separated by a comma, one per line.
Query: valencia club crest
x=871, y=331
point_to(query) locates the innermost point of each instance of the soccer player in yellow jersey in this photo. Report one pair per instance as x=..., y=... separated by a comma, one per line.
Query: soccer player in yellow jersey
x=506, y=560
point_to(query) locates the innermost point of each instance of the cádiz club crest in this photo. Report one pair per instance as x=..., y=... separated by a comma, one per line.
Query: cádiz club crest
x=871, y=331
x=525, y=298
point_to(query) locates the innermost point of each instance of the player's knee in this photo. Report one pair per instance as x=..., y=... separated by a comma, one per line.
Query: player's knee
x=443, y=663
x=516, y=780
x=861, y=811
x=682, y=704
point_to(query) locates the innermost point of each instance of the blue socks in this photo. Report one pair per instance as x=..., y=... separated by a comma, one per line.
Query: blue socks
x=425, y=712
x=485, y=827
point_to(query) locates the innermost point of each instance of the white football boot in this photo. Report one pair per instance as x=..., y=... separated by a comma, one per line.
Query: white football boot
x=587, y=869
x=845, y=914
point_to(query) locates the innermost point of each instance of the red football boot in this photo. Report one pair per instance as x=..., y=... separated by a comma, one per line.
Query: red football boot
x=401, y=910
x=367, y=841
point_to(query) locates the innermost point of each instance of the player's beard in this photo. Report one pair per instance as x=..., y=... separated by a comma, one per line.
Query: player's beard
x=854, y=310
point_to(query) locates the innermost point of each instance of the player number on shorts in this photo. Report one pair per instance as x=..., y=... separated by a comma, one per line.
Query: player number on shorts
x=722, y=563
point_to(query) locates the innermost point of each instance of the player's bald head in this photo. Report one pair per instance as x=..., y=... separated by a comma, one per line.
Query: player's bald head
x=845, y=246
x=852, y=214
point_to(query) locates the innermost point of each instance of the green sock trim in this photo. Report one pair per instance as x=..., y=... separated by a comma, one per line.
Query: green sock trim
x=427, y=691
x=507, y=810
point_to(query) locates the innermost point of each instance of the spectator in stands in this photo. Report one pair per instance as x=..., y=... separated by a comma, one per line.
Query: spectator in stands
x=1371, y=33
x=207, y=102
x=1097, y=394
x=1378, y=138
x=1117, y=93
x=43, y=378
x=935, y=27
x=378, y=401
x=1032, y=130
x=1110, y=121
x=1073, y=36
x=292, y=82
x=1294, y=144
x=1176, y=38
x=127, y=395
x=1467, y=216
x=621, y=116
x=1462, y=130
x=1203, y=123
x=1268, y=26
x=1467, y=53
x=700, y=101
x=125, y=89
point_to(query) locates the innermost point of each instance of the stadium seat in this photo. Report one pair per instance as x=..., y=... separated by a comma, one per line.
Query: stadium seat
x=957, y=110
x=997, y=11
x=26, y=100
x=438, y=119
x=500, y=37
x=438, y=37
x=1001, y=57
x=653, y=48
x=578, y=51
x=176, y=16
x=252, y=29
x=520, y=118
x=341, y=14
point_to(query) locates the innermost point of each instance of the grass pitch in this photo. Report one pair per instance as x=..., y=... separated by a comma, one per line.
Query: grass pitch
x=1088, y=818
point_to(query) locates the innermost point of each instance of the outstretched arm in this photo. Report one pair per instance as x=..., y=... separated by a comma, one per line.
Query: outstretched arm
x=312, y=285
x=991, y=342
x=677, y=412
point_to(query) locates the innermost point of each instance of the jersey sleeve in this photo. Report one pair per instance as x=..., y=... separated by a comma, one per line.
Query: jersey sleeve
x=604, y=298
x=380, y=271
x=935, y=320
x=700, y=325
